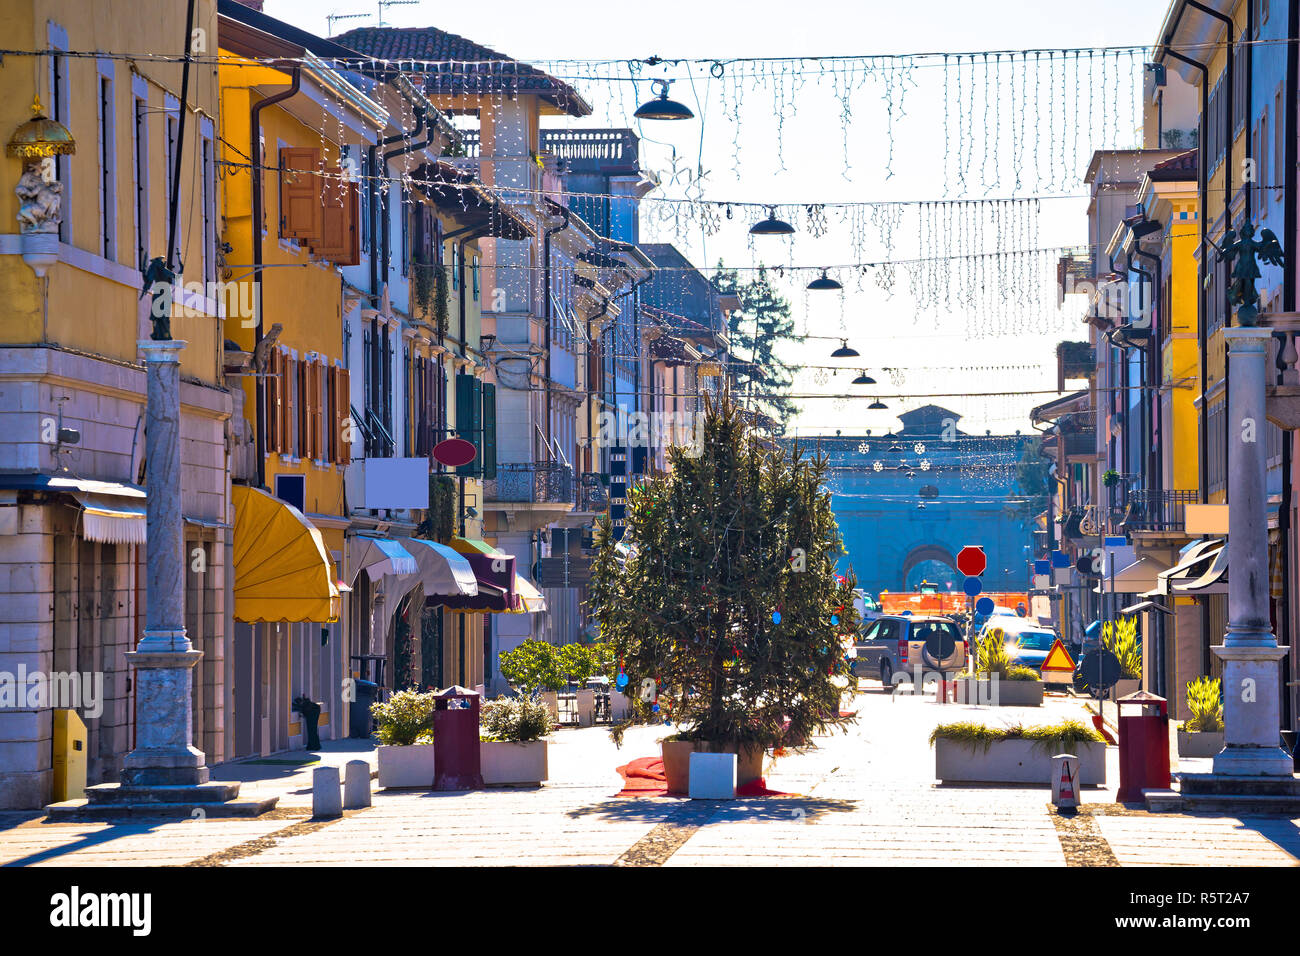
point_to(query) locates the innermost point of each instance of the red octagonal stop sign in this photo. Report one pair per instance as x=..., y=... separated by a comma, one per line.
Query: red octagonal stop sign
x=971, y=561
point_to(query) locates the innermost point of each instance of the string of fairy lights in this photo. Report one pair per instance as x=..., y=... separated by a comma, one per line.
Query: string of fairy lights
x=1018, y=128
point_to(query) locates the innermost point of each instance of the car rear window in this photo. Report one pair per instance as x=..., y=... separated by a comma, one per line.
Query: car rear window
x=923, y=630
x=1035, y=640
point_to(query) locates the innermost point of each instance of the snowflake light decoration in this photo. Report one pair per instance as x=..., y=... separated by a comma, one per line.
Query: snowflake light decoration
x=878, y=466
x=919, y=448
x=863, y=448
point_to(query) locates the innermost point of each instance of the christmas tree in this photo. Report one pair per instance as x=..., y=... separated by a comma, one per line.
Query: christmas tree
x=728, y=618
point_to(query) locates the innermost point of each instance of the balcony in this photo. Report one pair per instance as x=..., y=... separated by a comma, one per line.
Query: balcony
x=1283, y=408
x=539, y=482
x=593, y=496
x=1080, y=445
x=1074, y=360
x=1157, y=513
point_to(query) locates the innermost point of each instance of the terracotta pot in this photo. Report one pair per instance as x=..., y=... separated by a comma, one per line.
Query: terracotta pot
x=677, y=762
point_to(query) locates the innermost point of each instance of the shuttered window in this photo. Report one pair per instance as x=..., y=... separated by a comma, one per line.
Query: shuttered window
x=340, y=212
x=469, y=417
x=301, y=214
x=488, y=450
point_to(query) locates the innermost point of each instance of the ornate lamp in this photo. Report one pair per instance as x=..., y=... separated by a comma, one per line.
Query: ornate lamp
x=39, y=192
x=661, y=107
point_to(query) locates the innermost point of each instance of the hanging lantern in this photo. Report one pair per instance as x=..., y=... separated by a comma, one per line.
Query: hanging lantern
x=844, y=351
x=825, y=283
x=661, y=107
x=771, y=226
x=40, y=137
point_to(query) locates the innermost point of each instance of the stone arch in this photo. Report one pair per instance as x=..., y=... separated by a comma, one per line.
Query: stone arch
x=926, y=552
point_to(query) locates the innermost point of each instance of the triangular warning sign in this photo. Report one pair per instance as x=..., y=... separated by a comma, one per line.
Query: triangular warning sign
x=1058, y=659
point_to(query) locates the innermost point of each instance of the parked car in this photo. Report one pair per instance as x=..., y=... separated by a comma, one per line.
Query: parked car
x=898, y=644
x=866, y=606
x=1028, y=642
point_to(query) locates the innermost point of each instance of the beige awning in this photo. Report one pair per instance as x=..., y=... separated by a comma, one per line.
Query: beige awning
x=1136, y=578
x=109, y=519
x=1196, y=561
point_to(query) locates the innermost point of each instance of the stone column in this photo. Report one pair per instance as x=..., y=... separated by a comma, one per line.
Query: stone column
x=164, y=659
x=1250, y=653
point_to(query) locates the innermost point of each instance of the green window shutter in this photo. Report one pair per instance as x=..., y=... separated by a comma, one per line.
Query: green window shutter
x=469, y=417
x=489, y=447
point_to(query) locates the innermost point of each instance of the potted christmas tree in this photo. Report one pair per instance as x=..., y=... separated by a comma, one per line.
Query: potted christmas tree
x=726, y=619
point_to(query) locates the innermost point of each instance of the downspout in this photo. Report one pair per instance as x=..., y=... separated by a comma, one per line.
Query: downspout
x=549, y=309
x=1155, y=463
x=255, y=151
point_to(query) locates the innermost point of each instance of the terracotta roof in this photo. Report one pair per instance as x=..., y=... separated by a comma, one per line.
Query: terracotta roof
x=1176, y=169
x=477, y=69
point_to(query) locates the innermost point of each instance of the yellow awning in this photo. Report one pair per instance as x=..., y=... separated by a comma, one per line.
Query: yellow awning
x=531, y=600
x=472, y=546
x=282, y=570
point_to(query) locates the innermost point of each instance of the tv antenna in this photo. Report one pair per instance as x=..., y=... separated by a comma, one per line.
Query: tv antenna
x=329, y=20
x=384, y=4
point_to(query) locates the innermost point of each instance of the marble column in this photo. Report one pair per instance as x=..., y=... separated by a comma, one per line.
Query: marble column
x=1250, y=653
x=164, y=659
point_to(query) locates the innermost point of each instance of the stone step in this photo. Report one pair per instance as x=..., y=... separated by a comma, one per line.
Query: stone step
x=1239, y=804
x=105, y=794
x=1210, y=784
x=84, y=811
x=1163, y=801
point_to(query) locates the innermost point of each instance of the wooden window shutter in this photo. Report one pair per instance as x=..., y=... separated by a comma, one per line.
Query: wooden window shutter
x=488, y=450
x=272, y=411
x=351, y=227
x=330, y=450
x=344, y=414
x=340, y=214
x=300, y=194
x=287, y=405
x=312, y=408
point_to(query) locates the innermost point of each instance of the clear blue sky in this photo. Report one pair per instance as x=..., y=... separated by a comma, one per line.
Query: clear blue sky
x=948, y=350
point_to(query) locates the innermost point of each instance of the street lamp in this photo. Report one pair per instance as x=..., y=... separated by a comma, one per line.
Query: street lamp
x=661, y=107
x=844, y=351
x=771, y=226
x=825, y=282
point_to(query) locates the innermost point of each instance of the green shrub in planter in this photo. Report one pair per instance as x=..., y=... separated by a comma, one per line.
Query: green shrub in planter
x=404, y=719
x=515, y=719
x=1053, y=737
x=1121, y=639
x=1205, y=701
x=1020, y=672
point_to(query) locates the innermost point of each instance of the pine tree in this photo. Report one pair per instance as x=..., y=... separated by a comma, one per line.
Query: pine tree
x=757, y=330
x=728, y=614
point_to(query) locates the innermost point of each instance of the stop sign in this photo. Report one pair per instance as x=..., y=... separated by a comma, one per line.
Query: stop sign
x=971, y=560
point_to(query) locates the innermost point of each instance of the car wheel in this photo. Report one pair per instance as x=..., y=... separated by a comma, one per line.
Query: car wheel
x=886, y=675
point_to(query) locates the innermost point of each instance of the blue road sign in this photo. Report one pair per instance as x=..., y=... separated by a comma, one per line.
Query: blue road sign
x=1060, y=559
x=1042, y=567
x=972, y=586
x=984, y=606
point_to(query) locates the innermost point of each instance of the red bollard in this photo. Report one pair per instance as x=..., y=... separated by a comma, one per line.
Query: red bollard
x=1143, y=746
x=455, y=735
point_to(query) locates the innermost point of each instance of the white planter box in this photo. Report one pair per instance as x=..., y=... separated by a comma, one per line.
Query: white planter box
x=619, y=706
x=509, y=762
x=1127, y=685
x=406, y=767
x=1005, y=693
x=551, y=701
x=1013, y=761
x=1199, y=744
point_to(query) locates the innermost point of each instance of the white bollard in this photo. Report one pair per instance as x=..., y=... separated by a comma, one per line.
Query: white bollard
x=326, y=796
x=356, y=785
x=1065, y=780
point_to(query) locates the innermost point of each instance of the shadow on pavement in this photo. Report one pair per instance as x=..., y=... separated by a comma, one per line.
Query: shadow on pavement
x=770, y=809
x=87, y=840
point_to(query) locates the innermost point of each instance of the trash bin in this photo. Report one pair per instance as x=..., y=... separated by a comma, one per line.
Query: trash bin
x=360, y=723
x=456, y=755
x=1143, y=746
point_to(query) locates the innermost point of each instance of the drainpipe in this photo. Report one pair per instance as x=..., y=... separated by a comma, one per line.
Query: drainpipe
x=549, y=309
x=255, y=151
x=1156, y=460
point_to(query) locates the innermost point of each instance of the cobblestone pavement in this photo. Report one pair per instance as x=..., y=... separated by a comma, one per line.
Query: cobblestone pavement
x=867, y=796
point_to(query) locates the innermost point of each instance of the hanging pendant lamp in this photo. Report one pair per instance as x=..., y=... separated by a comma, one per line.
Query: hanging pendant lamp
x=877, y=404
x=824, y=283
x=661, y=107
x=844, y=351
x=864, y=379
x=771, y=226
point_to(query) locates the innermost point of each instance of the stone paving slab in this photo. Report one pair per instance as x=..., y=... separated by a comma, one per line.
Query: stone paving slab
x=135, y=844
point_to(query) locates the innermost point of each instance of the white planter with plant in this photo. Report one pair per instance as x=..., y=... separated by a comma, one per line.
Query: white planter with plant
x=968, y=752
x=999, y=682
x=404, y=726
x=1121, y=639
x=1201, y=735
x=512, y=748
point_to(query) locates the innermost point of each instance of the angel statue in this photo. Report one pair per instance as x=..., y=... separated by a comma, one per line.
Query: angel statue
x=1243, y=252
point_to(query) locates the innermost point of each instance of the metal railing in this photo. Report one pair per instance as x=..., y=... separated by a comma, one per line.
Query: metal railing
x=1158, y=510
x=1080, y=442
x=541, y=482
x=592, y=495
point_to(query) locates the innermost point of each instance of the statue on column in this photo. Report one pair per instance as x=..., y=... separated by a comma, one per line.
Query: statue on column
x=1245, y=252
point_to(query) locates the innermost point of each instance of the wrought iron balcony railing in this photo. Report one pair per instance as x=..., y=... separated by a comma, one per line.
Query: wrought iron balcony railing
x=1162, y=510
x=540, y=482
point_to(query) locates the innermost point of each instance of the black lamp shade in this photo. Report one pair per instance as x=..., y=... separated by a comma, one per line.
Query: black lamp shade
x=844, y=351
x=771, y=226
x=864, y=379
x=662, y=108
x=824, y=283
x=877, y=404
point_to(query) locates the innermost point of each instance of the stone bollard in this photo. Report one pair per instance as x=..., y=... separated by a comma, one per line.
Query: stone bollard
x=356, y=785
x=1065, y=781
x=326, y=797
